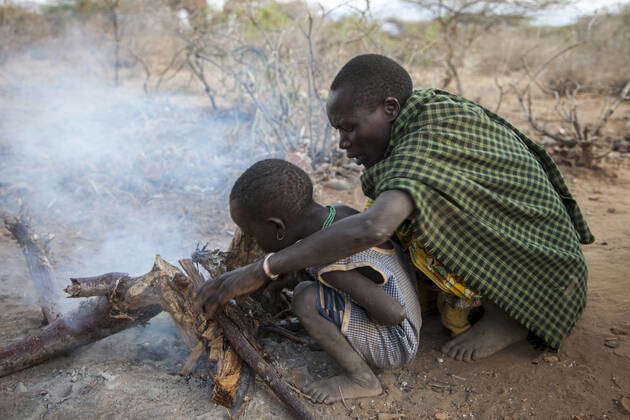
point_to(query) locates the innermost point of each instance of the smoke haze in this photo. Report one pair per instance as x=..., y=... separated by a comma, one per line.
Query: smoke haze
x=116, y=175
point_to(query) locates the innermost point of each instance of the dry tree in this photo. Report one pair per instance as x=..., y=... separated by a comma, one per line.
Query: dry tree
x=273, y=70
x=462, y=22
x=575, y=140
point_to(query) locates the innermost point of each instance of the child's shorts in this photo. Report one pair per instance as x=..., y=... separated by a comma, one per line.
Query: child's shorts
x=384, y=347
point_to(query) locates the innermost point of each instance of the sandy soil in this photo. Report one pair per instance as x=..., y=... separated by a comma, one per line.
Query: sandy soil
x=130, y=375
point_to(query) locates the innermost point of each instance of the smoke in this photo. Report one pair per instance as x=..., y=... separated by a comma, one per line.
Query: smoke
x=116, y=175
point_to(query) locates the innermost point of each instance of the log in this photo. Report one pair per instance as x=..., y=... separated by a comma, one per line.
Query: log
x=120, y=302
x=270, y=375
x=91, y=322
x=39, y=267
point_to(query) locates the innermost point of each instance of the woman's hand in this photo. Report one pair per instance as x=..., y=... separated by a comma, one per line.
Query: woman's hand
x=217, y=291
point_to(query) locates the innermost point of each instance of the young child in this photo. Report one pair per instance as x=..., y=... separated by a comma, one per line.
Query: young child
x=363, y=310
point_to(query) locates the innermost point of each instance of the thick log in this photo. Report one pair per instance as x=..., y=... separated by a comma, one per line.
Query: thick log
x=121, y=302
x=92, y=321
x=38, y=265
x=118, y=302
x=242, y=345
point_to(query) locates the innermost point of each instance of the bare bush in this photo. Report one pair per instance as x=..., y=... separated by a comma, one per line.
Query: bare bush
x=606, y=39
x=19, y=28
x=575, y=140
x=270, y=63
x=272, y=59
x=462, y=22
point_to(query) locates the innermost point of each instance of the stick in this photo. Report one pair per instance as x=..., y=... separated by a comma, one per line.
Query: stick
x=89, y=323
x=266, y=372
x=245, y=392
x=102, y=285
x=38, y=265
x=285, y=333
x=121, y=301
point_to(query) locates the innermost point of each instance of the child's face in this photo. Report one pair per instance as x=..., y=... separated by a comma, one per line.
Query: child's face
x=265, y=232
x=363, y=133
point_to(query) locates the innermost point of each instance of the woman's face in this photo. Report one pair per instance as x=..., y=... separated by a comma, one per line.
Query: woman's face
x=363, y=132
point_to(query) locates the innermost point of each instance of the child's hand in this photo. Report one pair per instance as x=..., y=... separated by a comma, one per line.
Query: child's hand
x=217, y=291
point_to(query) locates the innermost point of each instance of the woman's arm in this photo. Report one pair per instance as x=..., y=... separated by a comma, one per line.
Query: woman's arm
x=344, y=238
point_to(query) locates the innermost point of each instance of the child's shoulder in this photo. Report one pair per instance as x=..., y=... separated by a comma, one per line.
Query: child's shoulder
x=344, y=210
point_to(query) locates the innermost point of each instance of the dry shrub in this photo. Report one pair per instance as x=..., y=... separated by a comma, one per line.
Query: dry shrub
x=501, y=51
x=600, y=63
x=567, y=74
x=276, y=61
x=19, y=28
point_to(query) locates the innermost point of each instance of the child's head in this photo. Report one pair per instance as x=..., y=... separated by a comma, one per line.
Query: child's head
x=365, y=98
x=267, y=201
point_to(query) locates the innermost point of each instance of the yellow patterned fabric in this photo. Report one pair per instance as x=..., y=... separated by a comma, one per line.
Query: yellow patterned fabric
x=430, y=266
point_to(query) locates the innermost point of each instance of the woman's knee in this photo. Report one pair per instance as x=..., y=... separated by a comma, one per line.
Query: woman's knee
x=304, y=298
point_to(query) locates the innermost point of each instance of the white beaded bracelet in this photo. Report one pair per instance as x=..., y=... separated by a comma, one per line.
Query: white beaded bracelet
x=266, y=268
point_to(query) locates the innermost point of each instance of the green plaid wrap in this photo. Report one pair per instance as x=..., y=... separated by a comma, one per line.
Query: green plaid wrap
x=492, y=206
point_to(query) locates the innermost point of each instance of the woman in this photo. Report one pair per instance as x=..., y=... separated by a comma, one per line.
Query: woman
x=481, y=209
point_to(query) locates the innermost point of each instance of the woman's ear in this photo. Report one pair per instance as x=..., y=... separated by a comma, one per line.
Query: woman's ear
x=279, y=226
x=391, y=107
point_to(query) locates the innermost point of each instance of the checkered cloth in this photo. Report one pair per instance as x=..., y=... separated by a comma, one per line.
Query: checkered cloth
x=492, y=206
x=381, y=346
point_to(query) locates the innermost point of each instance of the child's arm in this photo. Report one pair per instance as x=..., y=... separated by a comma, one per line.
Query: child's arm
x=380, y=307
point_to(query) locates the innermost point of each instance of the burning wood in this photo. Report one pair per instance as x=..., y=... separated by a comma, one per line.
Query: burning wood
x=119, y=301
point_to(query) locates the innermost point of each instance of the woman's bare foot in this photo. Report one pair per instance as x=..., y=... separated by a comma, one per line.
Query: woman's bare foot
x=331, y=390
x=494, y=332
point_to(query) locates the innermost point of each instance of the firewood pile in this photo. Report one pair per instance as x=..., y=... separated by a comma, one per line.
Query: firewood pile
x=113, y=302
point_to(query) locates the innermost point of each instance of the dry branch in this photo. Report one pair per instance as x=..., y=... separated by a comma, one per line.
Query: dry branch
x=269, y=374
x=38, y=265
x=586, y=137
x=92, y=321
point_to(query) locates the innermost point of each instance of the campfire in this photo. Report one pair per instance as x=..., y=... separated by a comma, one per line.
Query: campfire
x=118, y=301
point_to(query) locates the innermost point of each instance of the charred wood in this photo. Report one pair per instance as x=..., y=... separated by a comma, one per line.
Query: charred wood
x=38, y=265
x=264, y=370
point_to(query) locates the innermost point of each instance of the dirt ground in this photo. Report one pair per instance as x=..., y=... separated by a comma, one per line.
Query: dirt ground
x=131, y=374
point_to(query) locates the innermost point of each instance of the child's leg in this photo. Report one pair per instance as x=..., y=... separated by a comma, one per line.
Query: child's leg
x=359, y=380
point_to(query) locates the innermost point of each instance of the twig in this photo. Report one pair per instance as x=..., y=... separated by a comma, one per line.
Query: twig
x=299, y=392
x=39, y=267
x=266, y=372
x=343, y=400
x=285, y=333
x=434, y=385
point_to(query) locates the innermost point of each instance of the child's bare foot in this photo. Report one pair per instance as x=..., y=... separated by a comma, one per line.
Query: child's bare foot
x=494, y=332
x=359, y=381
x=330, y=390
